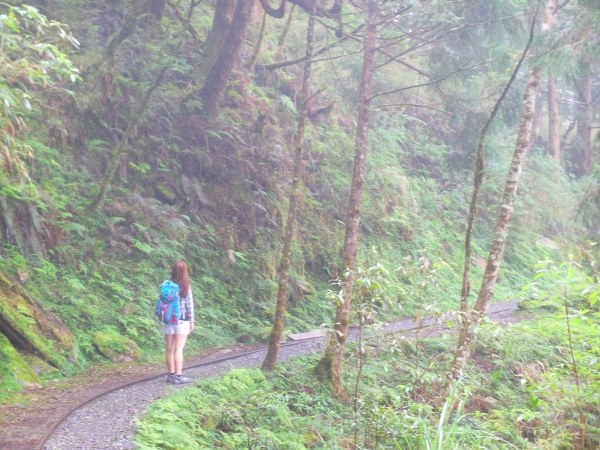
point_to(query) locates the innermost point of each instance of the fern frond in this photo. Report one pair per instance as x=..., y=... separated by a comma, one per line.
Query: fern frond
x=72, y=227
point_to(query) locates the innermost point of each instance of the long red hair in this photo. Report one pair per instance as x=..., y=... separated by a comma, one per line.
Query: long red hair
x=179, y=275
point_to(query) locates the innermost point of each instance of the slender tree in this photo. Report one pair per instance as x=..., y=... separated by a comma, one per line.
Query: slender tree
x=329, y=367
x=584, y=123
x=116, y=155
x=286, y=29
x=128, y=26
x=475, y=317
x=479, y=173
x=537, y=122
x=286, y=255
x=261, y=36
x=553, y=124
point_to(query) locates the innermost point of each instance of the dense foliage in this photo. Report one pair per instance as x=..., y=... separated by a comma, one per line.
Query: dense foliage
x=213, y=190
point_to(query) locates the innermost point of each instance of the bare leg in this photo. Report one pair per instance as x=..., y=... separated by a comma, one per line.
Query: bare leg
x=178, y=352
x=170, y=352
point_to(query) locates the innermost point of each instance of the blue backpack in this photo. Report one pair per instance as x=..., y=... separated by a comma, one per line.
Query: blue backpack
x=167, y=305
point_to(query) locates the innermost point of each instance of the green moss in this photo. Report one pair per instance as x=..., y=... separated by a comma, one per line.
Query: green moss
x=14, y=371
x=131, y=309
x=210, y=423
x=164, y=193
x=27, y=321
x=116, y=347
x=38, y=365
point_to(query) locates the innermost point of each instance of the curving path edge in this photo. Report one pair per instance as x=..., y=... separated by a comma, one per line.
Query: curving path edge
x=107, y=420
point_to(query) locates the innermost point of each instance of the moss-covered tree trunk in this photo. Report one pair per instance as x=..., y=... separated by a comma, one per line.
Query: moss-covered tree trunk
x=537, y=122
x=553, y=124
x=218, y=76
x=31, y=327
x=157, y=8
x=221, y=25
x=329, y=367
x=286, y=255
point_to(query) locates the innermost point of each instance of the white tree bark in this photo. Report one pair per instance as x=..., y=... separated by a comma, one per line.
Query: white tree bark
x=475, y=317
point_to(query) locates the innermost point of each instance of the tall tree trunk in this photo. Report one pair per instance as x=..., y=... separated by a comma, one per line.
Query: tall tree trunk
x=537, y=121
x=286, y=255
x=479, y=171
x=157, y=8
x=553, y=125
x=218, y=76
x=221, y=25
x=329, y=367
x=488, y=284
x=116, y=156
x=501, y=232
x=584, y=125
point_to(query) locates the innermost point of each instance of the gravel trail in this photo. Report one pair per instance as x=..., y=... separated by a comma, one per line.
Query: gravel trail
x=107, y=423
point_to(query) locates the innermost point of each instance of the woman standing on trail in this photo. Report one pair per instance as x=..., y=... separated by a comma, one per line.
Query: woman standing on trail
x=176, y=333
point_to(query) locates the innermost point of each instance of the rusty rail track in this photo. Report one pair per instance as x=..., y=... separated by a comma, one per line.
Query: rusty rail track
x=402, y=325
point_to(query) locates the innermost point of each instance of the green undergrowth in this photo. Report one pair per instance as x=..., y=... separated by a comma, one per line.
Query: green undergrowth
x=518, y=393
x=529, y=384
x=218, y=199
x=120, y=254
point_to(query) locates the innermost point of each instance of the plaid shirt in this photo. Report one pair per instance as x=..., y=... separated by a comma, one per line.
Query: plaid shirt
x=186, y=306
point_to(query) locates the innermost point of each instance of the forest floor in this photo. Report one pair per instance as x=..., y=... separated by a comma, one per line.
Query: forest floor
x=28, y=415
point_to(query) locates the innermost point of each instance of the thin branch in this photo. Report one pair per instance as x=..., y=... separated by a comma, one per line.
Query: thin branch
x=461, y=69
x=457, y=28
x=185, y=22
x=281, y=64
x=416, y=105
x=329, y=58
x=315, y=94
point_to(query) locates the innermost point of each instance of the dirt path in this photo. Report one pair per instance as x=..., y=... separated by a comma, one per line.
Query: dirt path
x=107, y=422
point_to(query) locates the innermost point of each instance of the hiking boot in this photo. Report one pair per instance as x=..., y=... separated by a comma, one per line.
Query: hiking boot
x=180, y=379
x=171, y=378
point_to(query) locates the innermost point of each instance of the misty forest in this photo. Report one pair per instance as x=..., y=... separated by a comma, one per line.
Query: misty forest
x=327, y=166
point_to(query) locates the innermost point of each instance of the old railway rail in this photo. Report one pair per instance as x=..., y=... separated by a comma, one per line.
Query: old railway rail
x=94, y=423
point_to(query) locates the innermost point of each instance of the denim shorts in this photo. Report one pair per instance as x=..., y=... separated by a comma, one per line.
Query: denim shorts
x=183, y=327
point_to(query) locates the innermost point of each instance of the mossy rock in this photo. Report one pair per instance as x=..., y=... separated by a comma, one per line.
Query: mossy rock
x=30, y=327
x=117, y=347
x=304, y=287
x=131, y=309
x=210, y=423
x=38, y=365
x=165, y=193
x=14, y=370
